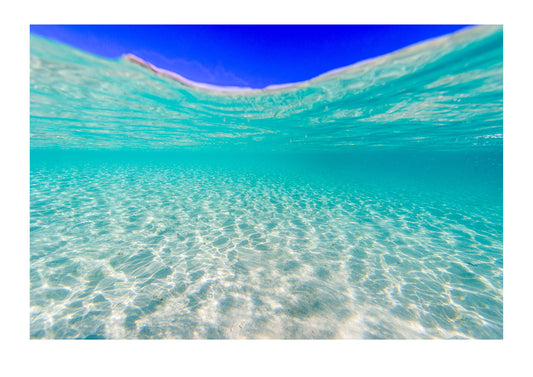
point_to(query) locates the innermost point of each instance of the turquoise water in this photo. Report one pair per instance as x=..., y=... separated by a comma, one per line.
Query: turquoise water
x=366, y=203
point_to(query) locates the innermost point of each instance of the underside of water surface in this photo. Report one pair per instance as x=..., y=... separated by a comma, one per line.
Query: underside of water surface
x=365, y=203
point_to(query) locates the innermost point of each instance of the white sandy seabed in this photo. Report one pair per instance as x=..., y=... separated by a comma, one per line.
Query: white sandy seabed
x=167, y=251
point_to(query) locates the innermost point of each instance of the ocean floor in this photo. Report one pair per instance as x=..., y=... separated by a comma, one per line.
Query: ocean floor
x=309, y=247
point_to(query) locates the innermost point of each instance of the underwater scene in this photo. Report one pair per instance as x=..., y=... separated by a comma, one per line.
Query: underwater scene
x=366, y=203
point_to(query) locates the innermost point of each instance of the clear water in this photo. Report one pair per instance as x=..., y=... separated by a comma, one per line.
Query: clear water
x=366, y=203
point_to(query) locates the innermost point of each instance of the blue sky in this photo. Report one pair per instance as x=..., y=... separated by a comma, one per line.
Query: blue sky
x=244, y=55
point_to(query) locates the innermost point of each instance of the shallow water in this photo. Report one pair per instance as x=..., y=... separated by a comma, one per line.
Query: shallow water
x=363, y=204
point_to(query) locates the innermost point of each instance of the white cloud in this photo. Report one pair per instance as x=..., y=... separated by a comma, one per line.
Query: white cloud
x=193, y=70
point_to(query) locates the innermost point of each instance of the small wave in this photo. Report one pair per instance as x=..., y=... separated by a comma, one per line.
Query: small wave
x=438, y=94
x=465, y=33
